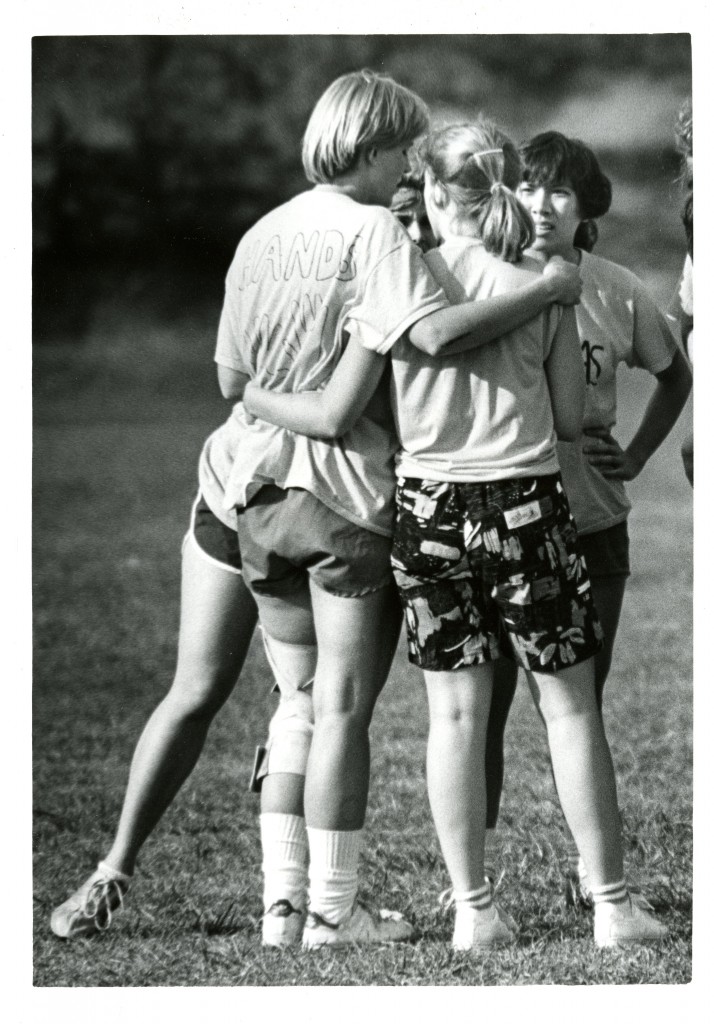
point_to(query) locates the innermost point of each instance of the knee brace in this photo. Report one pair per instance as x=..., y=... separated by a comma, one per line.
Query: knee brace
x=292, y=725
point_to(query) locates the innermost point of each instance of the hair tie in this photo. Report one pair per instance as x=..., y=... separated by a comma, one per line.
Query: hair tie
x=487, y=152
x=497, y=186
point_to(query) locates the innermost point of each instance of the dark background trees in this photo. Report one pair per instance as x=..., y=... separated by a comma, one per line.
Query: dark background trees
x=156, y=152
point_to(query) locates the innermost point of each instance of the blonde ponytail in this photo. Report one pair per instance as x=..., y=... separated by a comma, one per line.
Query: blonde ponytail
x=478, y=168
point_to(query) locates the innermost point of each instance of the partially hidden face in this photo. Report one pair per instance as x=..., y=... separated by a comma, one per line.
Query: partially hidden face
x=386, y=171
x=556, y=215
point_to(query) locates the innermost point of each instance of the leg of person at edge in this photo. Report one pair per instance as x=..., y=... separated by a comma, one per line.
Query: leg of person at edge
x=564, y=190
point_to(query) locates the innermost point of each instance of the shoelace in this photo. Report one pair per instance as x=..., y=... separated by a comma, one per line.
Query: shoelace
x=99, y=897
x=446, y=899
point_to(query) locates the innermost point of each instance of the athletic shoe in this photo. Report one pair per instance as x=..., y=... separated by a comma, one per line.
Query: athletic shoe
x=476, y=930
x=578, y=895
x=446, y=900
x=283, y=924
x=93, y=906
x=626, y=924
x=361, y=928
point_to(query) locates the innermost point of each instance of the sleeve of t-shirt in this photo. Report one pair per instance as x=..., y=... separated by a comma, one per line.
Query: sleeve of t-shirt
x=398, y=288
x=654, y=343
x=227, y=348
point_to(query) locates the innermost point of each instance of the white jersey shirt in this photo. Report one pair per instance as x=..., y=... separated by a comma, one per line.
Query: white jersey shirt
x=618, y=323
x=304, y=278
x=484, y=414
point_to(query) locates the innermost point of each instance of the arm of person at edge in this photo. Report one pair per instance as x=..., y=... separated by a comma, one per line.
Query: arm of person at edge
x=469, y=325
x=329, y=413
x=662, y=411
x=566, y=380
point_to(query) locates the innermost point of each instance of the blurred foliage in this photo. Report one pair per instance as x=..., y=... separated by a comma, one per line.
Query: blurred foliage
x=163, y=149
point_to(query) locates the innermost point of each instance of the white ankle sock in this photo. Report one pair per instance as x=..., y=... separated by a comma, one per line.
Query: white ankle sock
x=114, y=873
x=334, y=863
x=285, y=859
x=614, y=892
x=479, y=899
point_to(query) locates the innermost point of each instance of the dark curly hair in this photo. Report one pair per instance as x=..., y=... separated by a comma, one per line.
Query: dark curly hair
x=551, y=159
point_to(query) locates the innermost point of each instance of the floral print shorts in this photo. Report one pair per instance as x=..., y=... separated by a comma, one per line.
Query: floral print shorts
x=486, y=569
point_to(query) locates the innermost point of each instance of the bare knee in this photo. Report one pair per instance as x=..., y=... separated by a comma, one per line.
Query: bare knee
x=198, y=697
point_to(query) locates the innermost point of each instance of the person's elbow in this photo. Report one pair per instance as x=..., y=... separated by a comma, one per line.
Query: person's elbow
x=231, y=383
x=426, y=335
x=568, y=417
x=334, y=423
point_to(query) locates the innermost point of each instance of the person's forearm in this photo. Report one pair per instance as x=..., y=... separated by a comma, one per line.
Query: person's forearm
x=472, y=324
x=661, y=414
x=305, y=412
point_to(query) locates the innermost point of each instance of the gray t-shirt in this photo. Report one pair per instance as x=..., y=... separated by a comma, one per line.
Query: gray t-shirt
x=304, y=278
x=484, y=414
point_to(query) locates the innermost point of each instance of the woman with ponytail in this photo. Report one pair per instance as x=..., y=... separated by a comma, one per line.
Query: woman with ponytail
x=486, y=554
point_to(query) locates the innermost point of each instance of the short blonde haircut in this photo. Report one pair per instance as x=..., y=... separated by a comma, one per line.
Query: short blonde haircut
x=359, y=110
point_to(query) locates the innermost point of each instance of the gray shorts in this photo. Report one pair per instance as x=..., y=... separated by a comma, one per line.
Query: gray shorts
x=288, y=536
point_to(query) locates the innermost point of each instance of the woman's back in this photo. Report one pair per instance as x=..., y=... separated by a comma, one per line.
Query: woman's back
x=481, y=415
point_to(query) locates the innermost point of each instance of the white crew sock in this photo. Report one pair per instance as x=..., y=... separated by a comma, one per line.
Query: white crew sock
x=285, y=859
x=334, y=863
x=478, y=899
x=608, y=895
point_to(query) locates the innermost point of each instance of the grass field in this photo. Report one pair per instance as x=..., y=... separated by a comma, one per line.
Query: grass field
x=119, y=421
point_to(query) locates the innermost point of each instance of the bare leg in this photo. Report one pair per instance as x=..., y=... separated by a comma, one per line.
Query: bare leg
x=608, y=593
x=458, y=711
x=218, y=617
x=283, y=792
x=582, y=767
x=355, y=639
x=505, y=676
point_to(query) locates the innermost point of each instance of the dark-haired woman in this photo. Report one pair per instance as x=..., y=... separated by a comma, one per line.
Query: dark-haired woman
x=564, y=190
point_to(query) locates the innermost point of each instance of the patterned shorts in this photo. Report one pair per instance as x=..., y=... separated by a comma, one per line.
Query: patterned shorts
x=486, y=569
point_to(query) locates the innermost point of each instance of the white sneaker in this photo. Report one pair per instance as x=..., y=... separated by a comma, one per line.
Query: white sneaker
x=446, y=901
x=361, y=928
x=283, y=924
x=93, y=906
x=626, y=924
x=476, y=930
x=579, y=897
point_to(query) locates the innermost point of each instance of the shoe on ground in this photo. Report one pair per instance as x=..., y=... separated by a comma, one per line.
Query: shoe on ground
x=579, y=896
x=626, y=924
x=476, y=930
x=283, y=924
x=93, y=906
x=446, y=901
x=361, y=928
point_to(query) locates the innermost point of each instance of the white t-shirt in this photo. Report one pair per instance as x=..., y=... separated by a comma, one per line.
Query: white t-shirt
x=484, y=414
x=618, y=322
x=303, y=279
